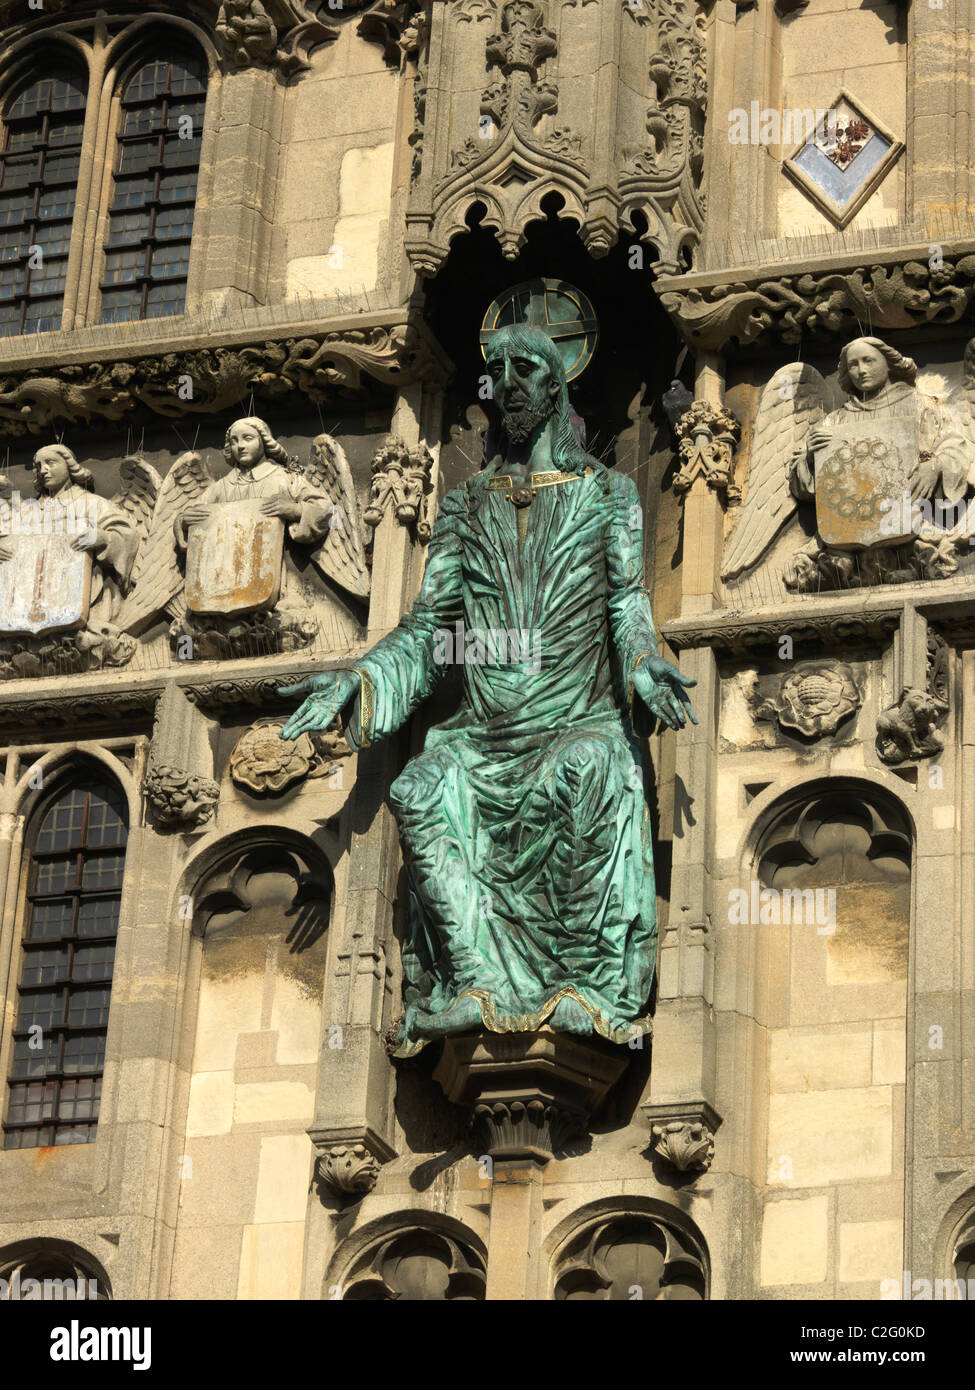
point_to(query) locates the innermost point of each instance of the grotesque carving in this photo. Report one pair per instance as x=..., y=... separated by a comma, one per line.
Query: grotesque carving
x=814, y=698
x=889, y=293
x=684, y=1144
x=178, y=797
x=263, y=762
x=65, y=562
x=401, y=479
x=524, y=821
x=863, y=466
x=241, y=596
x=348, y=1169
x=251, y=32
x=314, y=366
x=908, y=730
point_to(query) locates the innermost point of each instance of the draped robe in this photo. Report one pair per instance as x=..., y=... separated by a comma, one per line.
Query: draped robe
x=523, y=822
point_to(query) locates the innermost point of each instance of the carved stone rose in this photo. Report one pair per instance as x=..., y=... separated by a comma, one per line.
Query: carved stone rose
x=264, y=762
x=815, y=698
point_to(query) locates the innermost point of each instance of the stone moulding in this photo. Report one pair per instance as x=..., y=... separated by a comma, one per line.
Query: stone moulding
x=191, y=379
x=682, y=1133
x=737, y=633
x=135, y=700
x=527, y=1092
x=798, y=301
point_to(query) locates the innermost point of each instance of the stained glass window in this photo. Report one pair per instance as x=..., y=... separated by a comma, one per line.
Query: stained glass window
x=73, y=896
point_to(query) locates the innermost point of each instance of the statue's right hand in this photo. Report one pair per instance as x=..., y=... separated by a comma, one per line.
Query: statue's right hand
x=818, y=439
x=327, y=694
x=195, y=516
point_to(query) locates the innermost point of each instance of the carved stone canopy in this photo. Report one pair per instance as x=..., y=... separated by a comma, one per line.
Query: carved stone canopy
x=606, y=165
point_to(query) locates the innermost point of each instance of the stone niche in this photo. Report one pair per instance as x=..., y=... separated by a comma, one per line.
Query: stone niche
x=252, y=1037
x=833, y=894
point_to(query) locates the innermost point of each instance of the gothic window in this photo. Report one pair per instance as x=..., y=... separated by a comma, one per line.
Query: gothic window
x=631, y=1257
x=52, y=1271
x=964, y=1261
x=74, y=881
x=156, y=164
x=39, y=161
x=419, y=1265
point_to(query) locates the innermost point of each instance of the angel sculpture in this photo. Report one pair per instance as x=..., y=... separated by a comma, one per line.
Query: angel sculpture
x=65, y=564
x=867, y=466
x=216, y=560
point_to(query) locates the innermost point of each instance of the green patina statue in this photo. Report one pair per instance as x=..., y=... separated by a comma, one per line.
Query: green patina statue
x=523, y=822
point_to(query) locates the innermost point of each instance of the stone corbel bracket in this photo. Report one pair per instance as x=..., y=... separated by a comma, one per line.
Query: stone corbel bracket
x=707, y=436
x=402, y=480
x=822, y=298
x=57, y=387
x=682, y=1134
x=348, y=1159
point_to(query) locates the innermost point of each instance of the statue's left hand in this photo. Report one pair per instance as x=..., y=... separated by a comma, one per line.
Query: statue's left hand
x=283, y=506
x=663, y=690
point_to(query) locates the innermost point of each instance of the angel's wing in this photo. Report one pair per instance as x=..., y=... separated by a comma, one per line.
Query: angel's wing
x=139, y=488
x=792, y=402
x=962, y=401
x=341, y=555
x=157, y=580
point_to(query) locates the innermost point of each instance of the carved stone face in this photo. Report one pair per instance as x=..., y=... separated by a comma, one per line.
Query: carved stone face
x=246, y=445
x=524, y=390
x=867, y=367
x=51, y=470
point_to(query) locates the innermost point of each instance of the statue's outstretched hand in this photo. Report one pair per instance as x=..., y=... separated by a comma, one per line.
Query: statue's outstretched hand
x=327, y=694
x=663, y=690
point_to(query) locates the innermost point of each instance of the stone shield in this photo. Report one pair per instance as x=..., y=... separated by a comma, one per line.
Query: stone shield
x=863, y=483
x=233, y=561
x=45, y=586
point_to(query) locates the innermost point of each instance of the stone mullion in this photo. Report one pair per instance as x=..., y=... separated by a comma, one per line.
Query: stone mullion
x=602, y=196
x=86, y=244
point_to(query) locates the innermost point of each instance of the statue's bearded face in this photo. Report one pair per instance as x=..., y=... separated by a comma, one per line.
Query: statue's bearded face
x=524, y=390
x=867, y=367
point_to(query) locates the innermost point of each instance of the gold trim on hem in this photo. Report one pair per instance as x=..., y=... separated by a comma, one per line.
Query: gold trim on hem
x=367, y=706
x=530, y=1023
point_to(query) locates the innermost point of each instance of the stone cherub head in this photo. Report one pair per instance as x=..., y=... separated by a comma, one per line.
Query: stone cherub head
x=55, y=468
x=249, y=441
x=866, y=365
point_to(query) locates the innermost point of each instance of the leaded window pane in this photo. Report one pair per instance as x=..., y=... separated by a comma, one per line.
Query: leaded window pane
x=159, y=139
x=58, y=1054
x=40, y=153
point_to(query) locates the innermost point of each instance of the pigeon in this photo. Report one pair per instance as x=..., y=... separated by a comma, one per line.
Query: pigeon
x=676, y=401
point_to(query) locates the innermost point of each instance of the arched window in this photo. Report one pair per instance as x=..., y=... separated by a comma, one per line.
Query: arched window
x=74, y=887
x=39, y=161
x=151, y=213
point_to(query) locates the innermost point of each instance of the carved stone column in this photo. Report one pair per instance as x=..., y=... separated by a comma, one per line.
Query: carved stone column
x=354, y=1102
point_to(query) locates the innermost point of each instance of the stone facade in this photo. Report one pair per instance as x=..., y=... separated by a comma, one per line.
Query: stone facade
x=371, y=176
